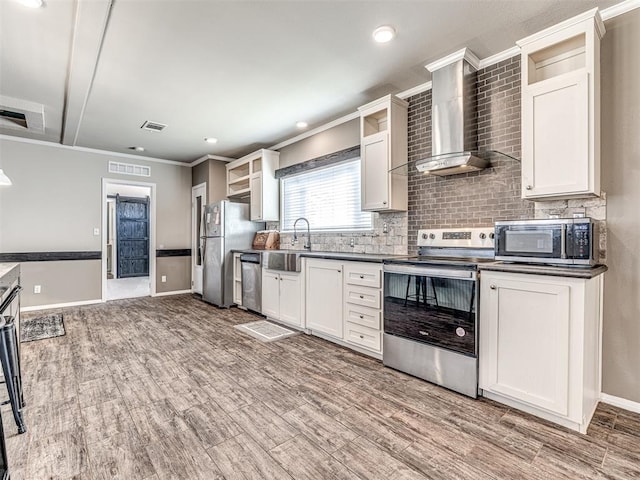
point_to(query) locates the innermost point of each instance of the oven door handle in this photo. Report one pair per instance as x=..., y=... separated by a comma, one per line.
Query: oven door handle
x=429, y=272
x=14, y=293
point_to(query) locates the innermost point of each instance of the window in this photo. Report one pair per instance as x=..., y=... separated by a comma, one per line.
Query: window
x=328, y=197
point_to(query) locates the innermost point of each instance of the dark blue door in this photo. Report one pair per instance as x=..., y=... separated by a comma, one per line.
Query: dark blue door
x=132, y=220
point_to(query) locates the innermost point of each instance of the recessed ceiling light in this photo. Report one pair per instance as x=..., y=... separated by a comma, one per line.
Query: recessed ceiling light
x=31, y=3
x=302, y=125
x=384, y=34
x=137, y=149
x=211, y=140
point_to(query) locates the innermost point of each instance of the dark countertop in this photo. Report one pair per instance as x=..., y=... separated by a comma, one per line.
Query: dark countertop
x=6, y=268
x=346, y=256
x=556, y=271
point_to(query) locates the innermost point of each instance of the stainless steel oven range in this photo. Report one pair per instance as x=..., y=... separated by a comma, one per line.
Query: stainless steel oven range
x=431, y=307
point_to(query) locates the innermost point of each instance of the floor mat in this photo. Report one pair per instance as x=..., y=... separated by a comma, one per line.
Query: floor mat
x=266, y=331
x=38, y=328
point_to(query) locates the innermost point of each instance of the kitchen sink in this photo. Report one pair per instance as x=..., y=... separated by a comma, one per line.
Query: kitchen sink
x=282, y=260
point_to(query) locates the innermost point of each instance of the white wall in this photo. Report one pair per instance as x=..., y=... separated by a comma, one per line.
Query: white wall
x=620, y=67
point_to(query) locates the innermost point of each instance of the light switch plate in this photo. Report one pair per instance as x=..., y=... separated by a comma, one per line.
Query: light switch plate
x=96, y=231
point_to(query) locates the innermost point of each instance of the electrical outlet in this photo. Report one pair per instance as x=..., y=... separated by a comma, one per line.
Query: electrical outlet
x=37, y=288
x=385, y=228
x=96, y=231
x=352, y=242
x=163, y=279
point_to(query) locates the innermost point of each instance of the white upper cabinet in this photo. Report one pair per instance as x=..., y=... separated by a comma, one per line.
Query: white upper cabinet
x=561, y=109
x=383, y=146
x=253, y=176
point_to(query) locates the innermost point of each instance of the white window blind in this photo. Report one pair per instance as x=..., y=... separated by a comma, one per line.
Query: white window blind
x=328, y=197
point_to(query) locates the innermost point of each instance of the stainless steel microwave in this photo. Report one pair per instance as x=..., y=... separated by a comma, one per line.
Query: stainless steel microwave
x=561, y=241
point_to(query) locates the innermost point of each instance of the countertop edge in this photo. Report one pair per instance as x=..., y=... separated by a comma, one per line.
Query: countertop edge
x=353, y=257
x=7, y=267
x=548, y=270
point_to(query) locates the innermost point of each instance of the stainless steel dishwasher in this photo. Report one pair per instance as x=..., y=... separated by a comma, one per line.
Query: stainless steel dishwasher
x=251, y=281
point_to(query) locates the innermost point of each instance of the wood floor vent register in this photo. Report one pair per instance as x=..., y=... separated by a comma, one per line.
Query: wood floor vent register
x=265, y=331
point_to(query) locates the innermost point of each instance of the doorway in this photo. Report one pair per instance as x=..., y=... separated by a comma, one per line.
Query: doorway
x=128, y=225
x=198, y=202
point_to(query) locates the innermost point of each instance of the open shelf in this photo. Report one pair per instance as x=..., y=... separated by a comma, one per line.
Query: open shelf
x=563, y=57
x=238, y=187
x=238, y=173
x=375, y=123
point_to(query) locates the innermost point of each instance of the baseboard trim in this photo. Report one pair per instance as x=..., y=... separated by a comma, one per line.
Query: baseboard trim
x=620, y=402
x=36, y=308
x=174, y=292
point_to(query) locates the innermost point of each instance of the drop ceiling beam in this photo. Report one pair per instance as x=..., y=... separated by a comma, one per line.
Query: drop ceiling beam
x=92, y=18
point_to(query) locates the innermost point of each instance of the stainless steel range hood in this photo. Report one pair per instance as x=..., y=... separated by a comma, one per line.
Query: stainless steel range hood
x=454, y=128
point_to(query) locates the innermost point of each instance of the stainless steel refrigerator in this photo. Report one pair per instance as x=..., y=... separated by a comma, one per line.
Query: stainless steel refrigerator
x=226, y=227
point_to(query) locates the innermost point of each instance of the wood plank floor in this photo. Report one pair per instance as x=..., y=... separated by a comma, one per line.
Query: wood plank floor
x=165, y=388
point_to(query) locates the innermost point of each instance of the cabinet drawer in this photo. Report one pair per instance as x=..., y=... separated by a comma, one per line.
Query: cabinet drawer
x=368, y=297
x=363, y=336
x=365, y=275
x=365, y=316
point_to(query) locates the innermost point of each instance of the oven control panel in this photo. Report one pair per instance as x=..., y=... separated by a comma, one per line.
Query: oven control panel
x=457, y=237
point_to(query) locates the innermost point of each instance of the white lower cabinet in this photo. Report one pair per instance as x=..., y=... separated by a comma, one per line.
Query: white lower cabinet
x=540, y=344
x=344, y=301
x=324, y=296
x=282, y=296
x=363, y=305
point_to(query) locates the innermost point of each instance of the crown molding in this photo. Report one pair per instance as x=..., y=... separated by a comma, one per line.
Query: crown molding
x=423, y=87
x=592, y=14
x=129, y=156
x=462, y=54
x=499, y=57
x=204, y=158
x=619, y=9
x=315, y=131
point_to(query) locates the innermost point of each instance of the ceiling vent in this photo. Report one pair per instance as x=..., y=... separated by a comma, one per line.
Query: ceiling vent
x=19, y=114
x=129, y=169
x=153, y=126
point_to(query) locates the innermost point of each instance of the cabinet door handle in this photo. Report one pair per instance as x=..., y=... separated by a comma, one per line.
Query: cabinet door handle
x=492, y=287
x=384, y=203
x=361, y=296
x=361, y=276
x=339, y=271
x=361, y=316
x=529, y=187
x=361, y=336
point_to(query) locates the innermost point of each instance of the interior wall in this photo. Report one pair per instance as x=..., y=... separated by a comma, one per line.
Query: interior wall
x=177, y=271
x=61, y=281
x=620, y=71
x=55, y=203
x=214, y=174
x=332, y=140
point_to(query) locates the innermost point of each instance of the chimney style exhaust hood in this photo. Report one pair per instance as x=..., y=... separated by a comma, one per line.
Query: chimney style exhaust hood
x=454, y=118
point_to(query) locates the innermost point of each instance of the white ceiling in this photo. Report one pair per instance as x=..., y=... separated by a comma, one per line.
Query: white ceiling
x=241, y=71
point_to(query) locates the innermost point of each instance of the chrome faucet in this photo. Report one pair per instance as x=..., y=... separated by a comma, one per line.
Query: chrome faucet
x=307, y=243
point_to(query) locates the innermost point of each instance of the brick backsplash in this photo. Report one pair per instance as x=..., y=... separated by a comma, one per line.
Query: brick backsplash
x=391, y=240
x=472, y=199
x=595, y=208
x=475, y=199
